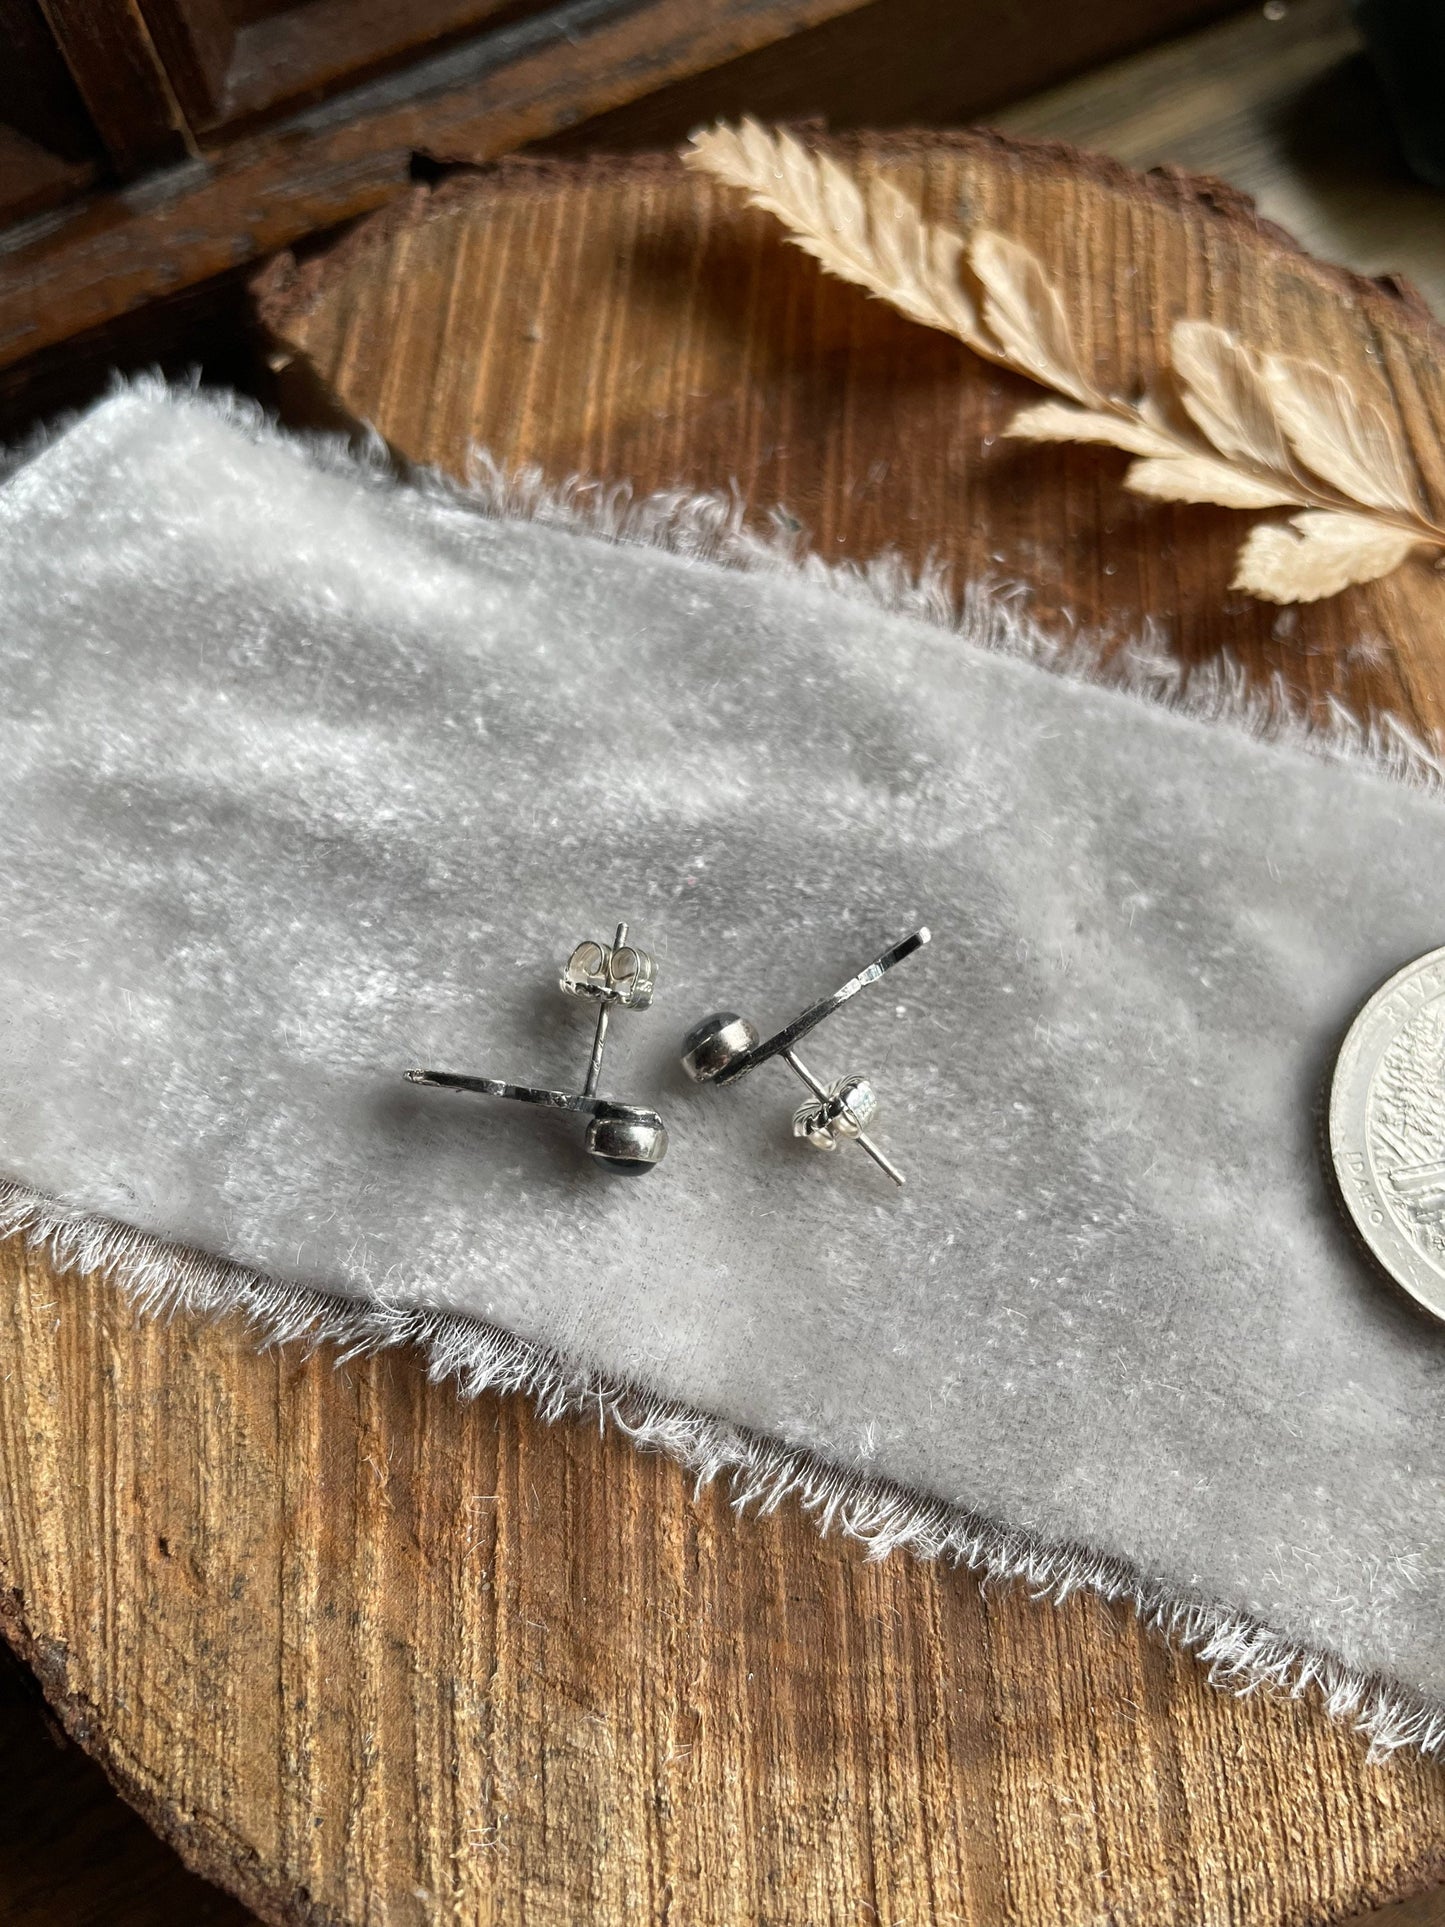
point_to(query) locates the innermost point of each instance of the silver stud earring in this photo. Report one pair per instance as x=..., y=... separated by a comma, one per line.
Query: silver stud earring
x=725, y=1047
x=625, y=1137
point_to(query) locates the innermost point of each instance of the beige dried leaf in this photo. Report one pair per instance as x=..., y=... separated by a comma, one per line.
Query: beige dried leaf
x=1350, y=444
x=871, y=235
x=1317, y=554
x=1256, y=430
x=1061, y=421
x=1227, y=396
x=1200, y=478
x=1026, y=317
x=916, y=265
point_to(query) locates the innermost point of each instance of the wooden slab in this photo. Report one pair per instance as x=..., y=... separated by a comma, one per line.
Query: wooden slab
x=369, y=1655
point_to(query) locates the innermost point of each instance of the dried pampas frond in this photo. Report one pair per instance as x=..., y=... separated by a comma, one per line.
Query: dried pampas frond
x=871, y=235
x=1228, y=424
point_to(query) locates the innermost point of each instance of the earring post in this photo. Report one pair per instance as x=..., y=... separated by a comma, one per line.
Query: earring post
x=594, y=1067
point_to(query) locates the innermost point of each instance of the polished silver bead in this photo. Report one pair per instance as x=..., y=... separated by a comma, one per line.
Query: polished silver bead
x=628, y=1145
x=718, y=1041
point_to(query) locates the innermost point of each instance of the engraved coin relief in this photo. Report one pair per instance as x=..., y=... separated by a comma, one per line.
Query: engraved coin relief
x=1387, y=1127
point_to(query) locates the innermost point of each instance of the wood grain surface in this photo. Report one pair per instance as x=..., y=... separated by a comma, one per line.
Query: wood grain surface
x=526, y=76
x=127, y=92
x=117, y=249
x=367, y=1654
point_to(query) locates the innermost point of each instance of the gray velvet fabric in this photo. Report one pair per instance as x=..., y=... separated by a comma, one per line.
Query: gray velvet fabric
x=306, y=778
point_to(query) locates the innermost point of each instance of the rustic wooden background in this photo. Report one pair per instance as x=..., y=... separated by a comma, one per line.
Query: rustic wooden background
x=366, y=1654
x=202, y=134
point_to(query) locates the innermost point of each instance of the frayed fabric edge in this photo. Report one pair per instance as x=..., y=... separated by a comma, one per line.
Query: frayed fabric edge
x=1240, y=1654
x=989, y=615
x=714, y=527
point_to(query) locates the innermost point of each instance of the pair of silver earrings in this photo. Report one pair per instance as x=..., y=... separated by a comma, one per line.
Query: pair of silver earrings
x=632, y=1138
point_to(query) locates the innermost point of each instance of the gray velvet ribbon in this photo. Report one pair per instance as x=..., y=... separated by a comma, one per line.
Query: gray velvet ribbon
x=307, y=777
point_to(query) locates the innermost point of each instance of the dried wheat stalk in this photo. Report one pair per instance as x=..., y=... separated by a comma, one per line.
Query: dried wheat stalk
x=1227, y=423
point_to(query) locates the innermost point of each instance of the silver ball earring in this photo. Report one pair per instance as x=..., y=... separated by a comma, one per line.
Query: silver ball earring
x=725, y=1047
x=628, y=1138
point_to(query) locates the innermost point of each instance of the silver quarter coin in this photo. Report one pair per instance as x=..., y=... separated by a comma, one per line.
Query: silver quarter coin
x=1387, y=1127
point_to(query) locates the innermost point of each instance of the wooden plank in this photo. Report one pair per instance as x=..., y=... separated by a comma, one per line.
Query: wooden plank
x=32, y=178
x=1285, y=106
x=115, y=251
x=904, y=63
x=365, y=1653
x=121, y=79
x=48, y=149
x=523, y=82
x=309, y=50
x=194, y=41
x=202, y=330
